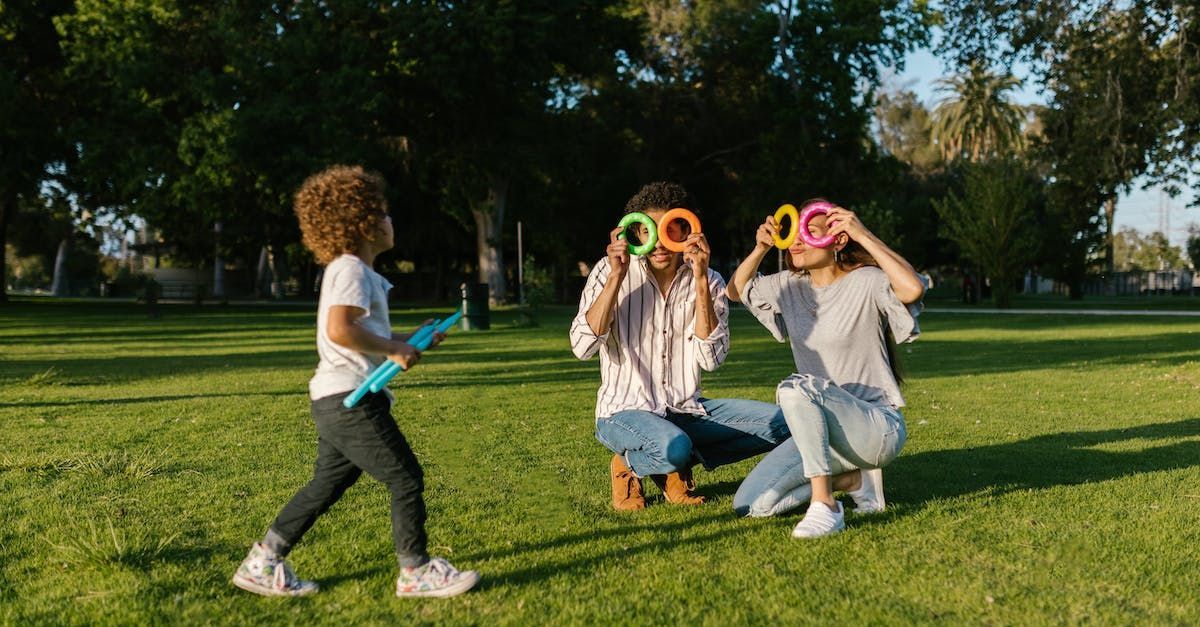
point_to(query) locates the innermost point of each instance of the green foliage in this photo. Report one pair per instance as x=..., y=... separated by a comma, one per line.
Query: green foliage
x=994, y=221
x=539, y=288
x=906, y=131
x=1134, y=251
x=25, y=273
x=978, y=120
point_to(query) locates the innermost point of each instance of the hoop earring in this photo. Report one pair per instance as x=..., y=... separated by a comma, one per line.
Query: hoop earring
x=836, y=257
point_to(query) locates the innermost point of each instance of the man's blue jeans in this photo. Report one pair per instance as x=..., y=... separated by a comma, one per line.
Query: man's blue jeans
x=733, y=430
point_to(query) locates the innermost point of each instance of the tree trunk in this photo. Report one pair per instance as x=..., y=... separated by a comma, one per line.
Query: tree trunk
x=218, y=289
x=59, y=286
x=274, y=265
x=1110, y=209
x=260, y=277
x=977, y=287
x=7, y=206
x=489, y=221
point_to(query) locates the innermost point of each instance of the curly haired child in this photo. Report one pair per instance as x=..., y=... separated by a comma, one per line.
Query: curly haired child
x=344, y=220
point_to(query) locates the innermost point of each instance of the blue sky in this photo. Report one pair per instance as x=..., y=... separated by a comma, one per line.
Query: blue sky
x=1139, y=209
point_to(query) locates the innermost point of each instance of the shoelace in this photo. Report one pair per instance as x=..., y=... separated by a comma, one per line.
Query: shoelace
x=283, y=575
x=630, y=485
x=442, y=569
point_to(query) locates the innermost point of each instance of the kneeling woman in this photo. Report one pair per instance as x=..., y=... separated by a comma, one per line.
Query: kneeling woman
x=843, y=308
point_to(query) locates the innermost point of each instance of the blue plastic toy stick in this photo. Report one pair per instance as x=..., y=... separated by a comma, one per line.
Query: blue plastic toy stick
x=384, y=373
x=365, y=387
x=420, y=344
x=389, y=368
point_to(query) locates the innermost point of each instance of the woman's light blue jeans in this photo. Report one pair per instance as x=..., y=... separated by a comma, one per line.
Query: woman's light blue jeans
x=833, y=432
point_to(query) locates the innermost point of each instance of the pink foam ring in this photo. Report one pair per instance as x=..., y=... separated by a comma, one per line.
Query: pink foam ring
x=811, y=211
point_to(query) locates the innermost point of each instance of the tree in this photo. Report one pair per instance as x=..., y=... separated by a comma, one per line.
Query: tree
x=1119, y=75
x=993, y=221
x=906, y=131
x=978, y=120
x=1151, y=252
x=31, y=89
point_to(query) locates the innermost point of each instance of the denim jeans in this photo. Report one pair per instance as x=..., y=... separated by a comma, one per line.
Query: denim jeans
x=733, y=430
x=832, y=432
x=362, y=438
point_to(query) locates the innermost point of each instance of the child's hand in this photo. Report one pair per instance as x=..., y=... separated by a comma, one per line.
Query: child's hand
x=405, y=354
x=764, y=238
x=437, y=338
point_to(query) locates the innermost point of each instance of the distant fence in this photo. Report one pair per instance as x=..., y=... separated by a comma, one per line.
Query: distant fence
x=1159, y=283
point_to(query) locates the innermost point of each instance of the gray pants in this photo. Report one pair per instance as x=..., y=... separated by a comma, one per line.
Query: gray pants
x=833, y=432
x=364, y=437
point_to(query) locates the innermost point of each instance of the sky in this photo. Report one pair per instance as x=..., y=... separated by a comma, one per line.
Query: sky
x=1144, y=210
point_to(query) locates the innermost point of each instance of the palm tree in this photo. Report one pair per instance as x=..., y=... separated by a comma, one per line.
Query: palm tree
x=978, y=120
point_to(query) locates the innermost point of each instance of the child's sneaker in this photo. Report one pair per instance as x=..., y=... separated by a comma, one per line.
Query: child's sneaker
x=437, y=578
x=263, y=572
x=820, y=520
x=868, y=498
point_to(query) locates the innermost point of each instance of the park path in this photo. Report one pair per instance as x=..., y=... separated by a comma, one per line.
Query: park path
x=1080, y=312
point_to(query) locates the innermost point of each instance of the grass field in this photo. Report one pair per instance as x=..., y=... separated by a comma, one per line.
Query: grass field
x=1051, y=476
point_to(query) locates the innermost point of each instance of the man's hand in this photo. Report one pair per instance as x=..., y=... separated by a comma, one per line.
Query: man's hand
x=696, y=251
x=618, y=255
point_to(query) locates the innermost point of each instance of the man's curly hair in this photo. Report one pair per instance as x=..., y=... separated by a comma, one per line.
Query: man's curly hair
x=339, y=208
x=659, y=195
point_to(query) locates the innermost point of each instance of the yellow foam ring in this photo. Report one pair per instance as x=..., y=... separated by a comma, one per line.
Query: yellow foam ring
x=678, y=213
x=787, y=211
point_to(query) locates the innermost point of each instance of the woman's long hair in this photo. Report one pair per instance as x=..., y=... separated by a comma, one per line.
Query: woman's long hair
x=851, y=257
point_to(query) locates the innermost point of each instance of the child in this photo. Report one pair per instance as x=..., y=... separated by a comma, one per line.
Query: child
x=344, y=221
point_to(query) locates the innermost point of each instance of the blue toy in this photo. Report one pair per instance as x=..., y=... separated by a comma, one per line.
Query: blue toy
x=421, y=339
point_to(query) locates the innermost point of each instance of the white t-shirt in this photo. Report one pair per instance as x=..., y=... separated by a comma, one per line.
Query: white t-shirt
x=837, y=331
x=349, y=281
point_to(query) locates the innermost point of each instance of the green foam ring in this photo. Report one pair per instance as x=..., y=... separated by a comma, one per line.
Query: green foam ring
x=651, y=228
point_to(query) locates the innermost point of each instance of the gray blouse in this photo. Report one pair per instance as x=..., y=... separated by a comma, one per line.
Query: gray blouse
x=837, y=331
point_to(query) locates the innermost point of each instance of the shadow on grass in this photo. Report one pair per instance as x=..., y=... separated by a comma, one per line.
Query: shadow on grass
x=666, y=536
x=667, y=529
x=144, y=399
x=1060, y=459
x=139, y=366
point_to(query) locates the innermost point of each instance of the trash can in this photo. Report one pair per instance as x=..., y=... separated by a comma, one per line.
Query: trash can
x=476, y=316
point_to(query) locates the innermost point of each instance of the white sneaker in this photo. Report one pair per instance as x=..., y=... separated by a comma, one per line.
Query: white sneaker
x=868, y=498
x=263, y=572
x=819, y=521
x=437, y=578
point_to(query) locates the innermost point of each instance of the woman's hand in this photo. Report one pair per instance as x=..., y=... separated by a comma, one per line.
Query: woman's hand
x=764, y=238
x=842, y=220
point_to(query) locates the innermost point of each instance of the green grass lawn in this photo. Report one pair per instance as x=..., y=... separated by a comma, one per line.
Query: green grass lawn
x=1052, y=475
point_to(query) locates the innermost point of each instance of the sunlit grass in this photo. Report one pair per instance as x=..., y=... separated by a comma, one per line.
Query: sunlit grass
x=1050, y=477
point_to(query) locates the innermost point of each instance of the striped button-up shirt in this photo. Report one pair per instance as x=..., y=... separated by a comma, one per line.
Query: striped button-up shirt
x=650, y=358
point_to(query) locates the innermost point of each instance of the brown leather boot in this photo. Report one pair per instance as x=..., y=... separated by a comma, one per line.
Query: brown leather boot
x=677, y=487
x=626, y=487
